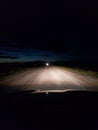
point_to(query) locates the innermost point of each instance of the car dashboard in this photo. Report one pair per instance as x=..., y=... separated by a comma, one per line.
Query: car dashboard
x=64, y=110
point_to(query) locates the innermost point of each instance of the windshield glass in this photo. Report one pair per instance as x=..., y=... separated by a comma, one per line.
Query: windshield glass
x=48, y=46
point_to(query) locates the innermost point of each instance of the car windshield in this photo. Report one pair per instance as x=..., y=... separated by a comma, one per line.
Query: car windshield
x=48, y=46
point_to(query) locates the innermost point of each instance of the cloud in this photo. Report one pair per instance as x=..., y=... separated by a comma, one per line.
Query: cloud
x=2, y=53
x=46, y=55
x=8, y=57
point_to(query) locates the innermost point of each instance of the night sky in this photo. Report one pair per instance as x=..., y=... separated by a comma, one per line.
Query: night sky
x=48, y=30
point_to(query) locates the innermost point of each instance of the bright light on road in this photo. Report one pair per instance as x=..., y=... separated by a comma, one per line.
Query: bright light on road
x=47, y=64
x=49, y=78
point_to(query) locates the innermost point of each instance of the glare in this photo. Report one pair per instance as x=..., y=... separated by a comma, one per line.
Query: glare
x=47, y=64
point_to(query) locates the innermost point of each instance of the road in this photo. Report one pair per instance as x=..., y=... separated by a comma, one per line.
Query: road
x=49, y=78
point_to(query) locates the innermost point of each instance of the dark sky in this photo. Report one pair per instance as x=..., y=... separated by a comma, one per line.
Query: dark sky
x=48, y=29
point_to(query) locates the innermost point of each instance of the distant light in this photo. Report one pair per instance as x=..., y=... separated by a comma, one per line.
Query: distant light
x=47, y=64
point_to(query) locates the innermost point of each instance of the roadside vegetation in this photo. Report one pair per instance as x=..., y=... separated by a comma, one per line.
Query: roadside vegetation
x=84, y=72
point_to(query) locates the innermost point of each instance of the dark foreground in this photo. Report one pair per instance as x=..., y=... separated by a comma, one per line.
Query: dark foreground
x=73, y=110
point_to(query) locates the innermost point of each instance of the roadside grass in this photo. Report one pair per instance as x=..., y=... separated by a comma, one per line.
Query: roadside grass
x=10, y=72
x=84, y=72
